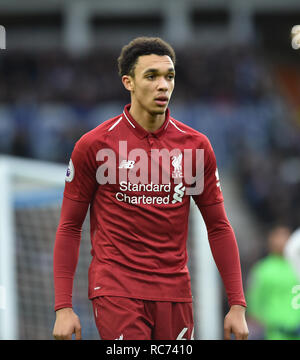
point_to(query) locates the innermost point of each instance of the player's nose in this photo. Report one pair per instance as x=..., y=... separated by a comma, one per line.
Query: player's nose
x=163, y=84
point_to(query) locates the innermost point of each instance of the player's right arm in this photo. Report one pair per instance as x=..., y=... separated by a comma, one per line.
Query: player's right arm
x=66, y=324
x=66, y=253
x=78, y=194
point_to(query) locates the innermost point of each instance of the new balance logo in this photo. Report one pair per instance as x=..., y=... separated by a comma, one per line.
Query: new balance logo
x=178, y=193
x=126, y=164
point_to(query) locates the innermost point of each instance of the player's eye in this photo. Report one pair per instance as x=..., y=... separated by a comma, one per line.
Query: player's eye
x=171, y=76
x=150, y=77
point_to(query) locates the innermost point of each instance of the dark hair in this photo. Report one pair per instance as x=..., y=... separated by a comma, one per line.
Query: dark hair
x=142, y=46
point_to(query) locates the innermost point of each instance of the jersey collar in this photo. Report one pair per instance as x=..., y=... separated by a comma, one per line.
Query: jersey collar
x=139, y=130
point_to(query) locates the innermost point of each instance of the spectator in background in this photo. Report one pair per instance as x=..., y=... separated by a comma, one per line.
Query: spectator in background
x=269, y=293
x=292, y=251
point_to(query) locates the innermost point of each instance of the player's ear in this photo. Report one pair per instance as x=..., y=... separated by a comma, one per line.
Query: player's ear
x=128, y=82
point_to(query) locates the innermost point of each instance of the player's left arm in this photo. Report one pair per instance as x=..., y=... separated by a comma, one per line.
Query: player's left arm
x=223, y=244
x=226, y=255
x=235, y=323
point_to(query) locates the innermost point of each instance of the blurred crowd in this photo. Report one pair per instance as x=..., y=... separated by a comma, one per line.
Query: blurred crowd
x=271, y=179
x=49, y=99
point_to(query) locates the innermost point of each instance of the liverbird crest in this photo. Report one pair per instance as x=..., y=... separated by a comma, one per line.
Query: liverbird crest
x=176, y=163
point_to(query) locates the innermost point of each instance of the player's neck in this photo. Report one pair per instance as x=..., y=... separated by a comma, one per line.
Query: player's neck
x=150, y=122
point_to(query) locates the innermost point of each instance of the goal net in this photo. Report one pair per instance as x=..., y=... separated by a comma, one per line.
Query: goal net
x=31, y=196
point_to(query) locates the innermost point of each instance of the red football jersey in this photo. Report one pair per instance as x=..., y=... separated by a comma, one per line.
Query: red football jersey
x=139, y=226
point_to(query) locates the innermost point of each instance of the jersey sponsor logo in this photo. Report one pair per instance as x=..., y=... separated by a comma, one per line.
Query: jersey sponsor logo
x=70, y=172
x=126, y=164
x=178, y=193
x=143, y=199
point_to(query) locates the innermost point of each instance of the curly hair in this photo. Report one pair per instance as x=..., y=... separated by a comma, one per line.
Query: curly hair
x=142, y=46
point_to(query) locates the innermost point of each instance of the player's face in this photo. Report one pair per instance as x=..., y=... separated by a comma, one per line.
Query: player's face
x=153, y=83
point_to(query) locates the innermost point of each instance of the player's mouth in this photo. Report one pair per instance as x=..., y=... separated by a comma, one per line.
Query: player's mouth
x=161, y=100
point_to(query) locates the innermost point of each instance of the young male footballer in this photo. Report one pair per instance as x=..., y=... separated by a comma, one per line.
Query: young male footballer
x=137, y=173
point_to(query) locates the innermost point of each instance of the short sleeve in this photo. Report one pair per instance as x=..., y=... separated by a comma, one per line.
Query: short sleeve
x=212, y=193
x=80, y=181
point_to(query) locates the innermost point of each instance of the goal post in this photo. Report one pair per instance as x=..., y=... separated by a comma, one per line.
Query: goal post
x=17, y=175
x=206, y=283
x=8, y=306
x=31, y=196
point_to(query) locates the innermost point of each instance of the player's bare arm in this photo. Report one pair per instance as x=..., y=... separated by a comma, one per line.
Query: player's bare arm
x=235, y=323
x=67, y=323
